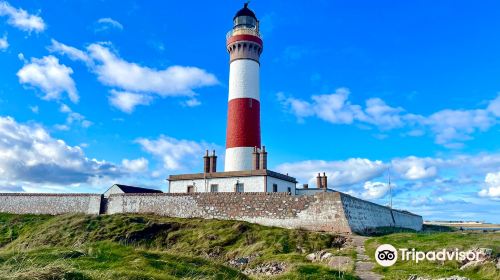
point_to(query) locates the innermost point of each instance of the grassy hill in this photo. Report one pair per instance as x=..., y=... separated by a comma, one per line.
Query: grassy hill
x=152, y=247
x=431, y=240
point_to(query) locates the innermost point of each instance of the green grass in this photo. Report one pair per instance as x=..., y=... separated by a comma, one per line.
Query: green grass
x=152, y=247
x=430, y=241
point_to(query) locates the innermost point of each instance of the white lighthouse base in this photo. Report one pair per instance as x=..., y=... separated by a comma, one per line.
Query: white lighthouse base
x=238, y=159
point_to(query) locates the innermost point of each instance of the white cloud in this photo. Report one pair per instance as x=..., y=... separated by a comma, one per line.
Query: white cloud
x=29, y=155
x=494, y=106
x=21, y=19
x=135, y=84
x=104, y=24
x=50, y=77
x=192, y=102
x=72, y=118
x=340, y=173
x=414, y=168
x=175, y=154
x=449, y=127
x=173, y=81
x=127, y=101
x=136, y=165
x=34, y=109
x=492, y=181
x=71, y=52
x=378, y=113
x=374, y=190
x=4, y=44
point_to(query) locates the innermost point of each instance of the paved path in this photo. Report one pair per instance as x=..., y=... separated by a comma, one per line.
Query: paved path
x=363, y=265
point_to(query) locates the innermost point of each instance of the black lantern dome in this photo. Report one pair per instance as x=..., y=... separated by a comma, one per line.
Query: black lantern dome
x=245, y=18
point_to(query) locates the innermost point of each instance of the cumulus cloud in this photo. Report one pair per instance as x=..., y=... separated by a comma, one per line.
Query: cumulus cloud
x=494, y=106
x=374, y=190
x=449, y=127
x=340, y=173
x=104, y=24
x=452, y=126
x=414, y=168
x=175, y=154
x=28, y=154
x=136, y=165
x=127, y=101
x=21, y=19
x=51, y=77
x=4, y=44
x=192, y=102
x=71, y=52
x=72, y=118
x=134, y=84
x=172, y=81
x=492, y=190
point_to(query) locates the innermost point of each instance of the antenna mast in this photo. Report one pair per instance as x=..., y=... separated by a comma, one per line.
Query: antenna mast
x=390, y=188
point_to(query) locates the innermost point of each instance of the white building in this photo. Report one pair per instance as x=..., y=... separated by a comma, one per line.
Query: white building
x=233, y=181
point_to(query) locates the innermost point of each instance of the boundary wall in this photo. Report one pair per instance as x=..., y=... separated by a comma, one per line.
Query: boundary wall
x=328, y=211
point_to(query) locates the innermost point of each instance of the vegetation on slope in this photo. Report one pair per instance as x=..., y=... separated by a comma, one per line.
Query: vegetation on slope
x=152, y=247
x=435, y=241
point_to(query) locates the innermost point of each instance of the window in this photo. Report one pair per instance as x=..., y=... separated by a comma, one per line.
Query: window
x=190, y=189
x=275, y=187
x=240, y=187
x=214, y=188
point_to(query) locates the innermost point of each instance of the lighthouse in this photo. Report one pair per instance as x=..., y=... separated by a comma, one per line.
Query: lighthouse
x=244, y=45
x=245, y=168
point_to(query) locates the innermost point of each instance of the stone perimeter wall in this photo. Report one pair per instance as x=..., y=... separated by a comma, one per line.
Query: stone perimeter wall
x=53, y=204
x=332, y=212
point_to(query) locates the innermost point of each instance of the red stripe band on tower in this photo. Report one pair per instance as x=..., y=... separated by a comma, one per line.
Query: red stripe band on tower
x=244, y=37
x=243, y=123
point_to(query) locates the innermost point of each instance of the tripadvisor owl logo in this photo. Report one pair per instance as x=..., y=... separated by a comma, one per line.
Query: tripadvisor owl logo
x=386, y=255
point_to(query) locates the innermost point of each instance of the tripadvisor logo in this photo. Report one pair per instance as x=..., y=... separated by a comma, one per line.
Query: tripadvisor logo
x=387, y=255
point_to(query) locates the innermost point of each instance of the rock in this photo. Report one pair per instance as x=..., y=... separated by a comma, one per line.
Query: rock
x=272, y=268
x=498, y=263
x=326, y=256
x=311, y=257
x=340, y=263
x=239, y=262
x=471, y=264
x=454, y=277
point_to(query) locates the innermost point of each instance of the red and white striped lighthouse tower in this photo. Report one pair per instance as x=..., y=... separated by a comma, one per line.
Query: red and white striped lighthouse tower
x=244, y=45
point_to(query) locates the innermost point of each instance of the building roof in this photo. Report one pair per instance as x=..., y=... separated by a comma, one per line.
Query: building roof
x=246, y=173
x=132, y=189
x=245, y=11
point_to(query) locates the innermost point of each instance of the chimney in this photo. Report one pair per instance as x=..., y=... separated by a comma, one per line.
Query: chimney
x=305, y=186
x=206, y=163
x=325, y=182
x=263, y=158
x=213, y=162
x=319, y=181
x=255, y=159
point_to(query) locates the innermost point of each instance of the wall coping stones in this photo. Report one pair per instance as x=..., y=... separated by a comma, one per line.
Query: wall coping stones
x=50, y=194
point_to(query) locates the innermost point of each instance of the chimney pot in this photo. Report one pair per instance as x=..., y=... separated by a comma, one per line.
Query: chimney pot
x=255, y=159
x=213, y=162
x=206, y=163
x=263, y=158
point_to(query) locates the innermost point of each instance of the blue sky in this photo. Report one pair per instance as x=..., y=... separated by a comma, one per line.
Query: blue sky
x=98, y=92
